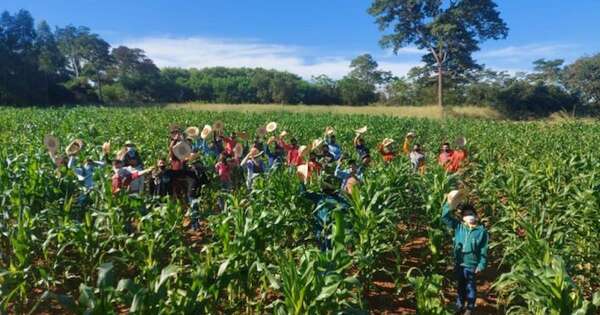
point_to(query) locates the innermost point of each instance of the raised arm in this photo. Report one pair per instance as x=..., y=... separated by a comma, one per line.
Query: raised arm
x=448, y=218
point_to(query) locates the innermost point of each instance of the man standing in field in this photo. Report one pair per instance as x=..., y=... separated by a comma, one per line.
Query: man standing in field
x=470, y=250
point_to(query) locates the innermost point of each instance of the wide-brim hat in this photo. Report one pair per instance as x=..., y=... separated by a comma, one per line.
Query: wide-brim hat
x=455, y=197
x=302, y=150
x=192, y=132
x=51, y=142
x=461, y=141
x=302, y=171
x=182, y=150
x=387, y=141
x=317, y=143
x=283, y=134
x=262, y=131
x=272, y=126
x=411, y=134
x=254, y=152
x=74, y=147
x=121, y=153
x=106, y=147
x=361, y=130
x=238, y=150
x=205, y=131
x=271, y=139
x=218, y=125
x=329, y=131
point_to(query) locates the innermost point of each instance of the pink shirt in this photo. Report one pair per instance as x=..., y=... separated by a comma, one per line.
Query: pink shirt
x=224, y=172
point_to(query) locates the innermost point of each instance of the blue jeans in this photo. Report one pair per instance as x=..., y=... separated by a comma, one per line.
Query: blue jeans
x=467, y=288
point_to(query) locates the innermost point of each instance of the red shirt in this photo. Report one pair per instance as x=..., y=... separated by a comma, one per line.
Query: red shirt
x=313, y=167
x=120, y=181
x=387, y=155
x=176, y=164
x=229, y=145
x=224, y=172
x=445, y=158
x=456, y=160
x=293, y=156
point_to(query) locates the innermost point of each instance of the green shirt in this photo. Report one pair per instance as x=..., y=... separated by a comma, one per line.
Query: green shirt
x=470, y=244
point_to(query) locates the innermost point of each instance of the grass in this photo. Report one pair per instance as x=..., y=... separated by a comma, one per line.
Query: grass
x=396, y=111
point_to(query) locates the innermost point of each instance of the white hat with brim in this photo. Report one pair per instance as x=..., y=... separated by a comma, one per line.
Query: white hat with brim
x=316, y=143
x=302, y=150
x=461, y=141
x=302, y=171
x=51, y=143
x=455, y=197
x=387, y=141
x=182, y=150
x=272, y=126
x=192, y=132
x=106, y=147
x=411, y=134
x=205, y=131
x=361, y=130
x=74, y=147
x=329, y=131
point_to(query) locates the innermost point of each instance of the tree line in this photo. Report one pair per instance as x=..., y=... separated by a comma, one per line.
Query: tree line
x=72, y=65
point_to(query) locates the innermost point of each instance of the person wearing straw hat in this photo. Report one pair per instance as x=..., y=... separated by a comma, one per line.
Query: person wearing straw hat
x=254, y=166
x=131, y=153
x=470, y=249
x=386, y=150
x=361, y=148
x=326, y=202
x=85, y=172
x=201, y=143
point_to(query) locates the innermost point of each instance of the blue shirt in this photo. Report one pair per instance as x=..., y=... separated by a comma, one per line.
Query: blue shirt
x=334, y=149
x=201, y=145
x=275, y=158
x=325, y=203
x=85, y=173
x=344, y=175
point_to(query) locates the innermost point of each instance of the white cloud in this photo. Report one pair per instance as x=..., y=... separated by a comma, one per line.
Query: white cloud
x=201, y=52
x=526, y=53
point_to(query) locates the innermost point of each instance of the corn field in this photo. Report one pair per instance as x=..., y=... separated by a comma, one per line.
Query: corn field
x=535, y=185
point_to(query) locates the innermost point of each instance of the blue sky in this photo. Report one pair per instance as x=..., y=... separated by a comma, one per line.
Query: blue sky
x=308, y=37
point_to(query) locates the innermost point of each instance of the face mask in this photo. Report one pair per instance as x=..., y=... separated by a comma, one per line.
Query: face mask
x=470, y=219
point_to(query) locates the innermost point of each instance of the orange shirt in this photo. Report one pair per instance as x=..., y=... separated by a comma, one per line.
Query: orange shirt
x=388, y=155
x=456, y=160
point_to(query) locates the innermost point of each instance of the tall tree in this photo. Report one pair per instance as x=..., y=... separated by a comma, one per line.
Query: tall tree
x=449, y=30
x=51, y=62
x=365, y=68
x=548, y=71
x=583, y=77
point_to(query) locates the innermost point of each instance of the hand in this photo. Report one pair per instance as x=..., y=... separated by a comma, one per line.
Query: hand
x=477, y=271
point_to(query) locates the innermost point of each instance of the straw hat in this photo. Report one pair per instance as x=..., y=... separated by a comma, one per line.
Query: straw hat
x=74, y=147
x=329, y=131
x=51, y=143
x=271, y=126
x=238, y=150
x=121, y=154
x=350, y=183
x=182, y=150
x=317, y=143
x=455, y=197
x=271, y=139
x=362, y=130
x=192, y=132
x=411, y=134
x=387, y=141
x=254, y=153
x=106, y=147
x=262, y=131
x=218, y=125
x=302, y=150
x=205, y=131
x=302, y=171
x=461, y=141
x=283, y=134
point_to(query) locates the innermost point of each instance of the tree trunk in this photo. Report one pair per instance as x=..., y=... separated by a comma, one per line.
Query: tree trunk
x=439, y=90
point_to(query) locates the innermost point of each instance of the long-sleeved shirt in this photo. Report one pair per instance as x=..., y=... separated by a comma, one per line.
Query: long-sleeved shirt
x=201, y=145
x=122, y=178
x=293, y=156
x=470, y=243
x=254, y=169
x=344, y=175
x=85, y=173
x=275, y=157
x=136, y=185
x=406, y=146
x=334, y=149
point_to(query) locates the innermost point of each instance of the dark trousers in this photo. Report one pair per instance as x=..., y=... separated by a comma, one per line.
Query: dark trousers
x=467, y=288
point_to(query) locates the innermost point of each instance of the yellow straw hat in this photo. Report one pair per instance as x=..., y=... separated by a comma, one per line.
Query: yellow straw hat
x=329, y=131
x=272, y=126
x=74, y=147
x=387, y=141
x=362, y=130
x=182, y=150
x=192, y=132
x=205, y=131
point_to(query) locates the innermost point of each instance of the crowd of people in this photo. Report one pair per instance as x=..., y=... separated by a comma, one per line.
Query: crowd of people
x=239, y=160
